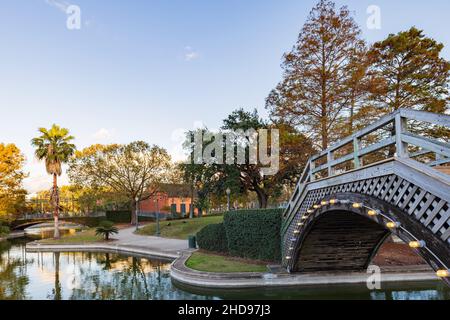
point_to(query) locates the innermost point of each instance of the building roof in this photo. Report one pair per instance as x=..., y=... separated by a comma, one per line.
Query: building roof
x=176, y=190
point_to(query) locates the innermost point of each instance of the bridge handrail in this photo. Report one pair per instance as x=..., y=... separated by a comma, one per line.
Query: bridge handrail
x=401, y=139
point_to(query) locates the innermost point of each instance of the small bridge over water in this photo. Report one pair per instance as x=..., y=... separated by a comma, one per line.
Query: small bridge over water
x=352, y=196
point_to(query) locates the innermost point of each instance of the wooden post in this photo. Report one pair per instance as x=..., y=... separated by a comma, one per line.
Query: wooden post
x=312, y=166
x=400, y=127
x=329, y=159
x=356, y=147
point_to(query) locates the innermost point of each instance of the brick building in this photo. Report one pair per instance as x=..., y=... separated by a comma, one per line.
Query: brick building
x=172, y=198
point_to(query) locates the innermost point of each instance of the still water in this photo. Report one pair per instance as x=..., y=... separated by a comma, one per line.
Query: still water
x=56, y=276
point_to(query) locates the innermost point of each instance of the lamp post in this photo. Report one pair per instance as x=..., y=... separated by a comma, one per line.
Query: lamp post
x=228, y=191
x=157, y=217
x=137, y=213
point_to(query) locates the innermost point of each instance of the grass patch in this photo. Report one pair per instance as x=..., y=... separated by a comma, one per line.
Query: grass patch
x=207, y=262
x=179, y=229
x=86, y=236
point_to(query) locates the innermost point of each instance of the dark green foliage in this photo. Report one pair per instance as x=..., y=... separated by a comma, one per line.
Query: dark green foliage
x=254, y=234
x=106, y=228
x=4, y=230
x=213, y=238
x=123, y=217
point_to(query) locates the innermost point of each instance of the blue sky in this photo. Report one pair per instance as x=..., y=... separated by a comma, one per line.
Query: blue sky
x=150, y=69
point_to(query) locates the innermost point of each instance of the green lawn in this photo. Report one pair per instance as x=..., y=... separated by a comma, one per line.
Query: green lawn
x=179, y=229
x=214, y=263
x=86, y=236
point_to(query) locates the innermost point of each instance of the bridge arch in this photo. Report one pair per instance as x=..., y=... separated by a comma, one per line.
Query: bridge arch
x=344, y=232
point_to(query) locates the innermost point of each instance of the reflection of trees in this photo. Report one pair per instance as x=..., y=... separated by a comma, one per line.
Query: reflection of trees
x=128, y=279
x=13, y=277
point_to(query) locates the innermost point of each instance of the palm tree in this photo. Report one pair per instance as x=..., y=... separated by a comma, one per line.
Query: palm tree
x=55, y=147
x=106, y=229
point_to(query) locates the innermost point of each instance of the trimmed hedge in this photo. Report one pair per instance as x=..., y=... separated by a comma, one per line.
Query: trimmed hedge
x=119, y=216
x=254, y=234
x=213, y=238
x=4, y=230
x=125, y=217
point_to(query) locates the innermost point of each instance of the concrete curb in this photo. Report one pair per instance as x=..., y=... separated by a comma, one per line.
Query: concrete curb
x=179, y=272
x=124, y=249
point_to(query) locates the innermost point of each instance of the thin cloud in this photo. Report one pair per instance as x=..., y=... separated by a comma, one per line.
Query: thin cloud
x=103, y=134
x=59, y=4
x=190, y=54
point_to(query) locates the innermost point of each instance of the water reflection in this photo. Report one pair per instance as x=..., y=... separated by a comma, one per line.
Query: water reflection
x=81, y=276
x=108, y=276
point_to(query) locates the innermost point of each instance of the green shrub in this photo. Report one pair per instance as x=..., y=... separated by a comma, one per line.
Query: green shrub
x=124, y=217
x=213, y=238
x=254, y=234
x=4, y=230
x=105, y=229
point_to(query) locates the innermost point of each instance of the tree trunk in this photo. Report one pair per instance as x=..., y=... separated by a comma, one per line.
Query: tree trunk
x=262, y=198
x=134, y=208
x=56, y=234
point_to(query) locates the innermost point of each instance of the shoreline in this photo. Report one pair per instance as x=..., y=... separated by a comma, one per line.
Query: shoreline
x=180, y=273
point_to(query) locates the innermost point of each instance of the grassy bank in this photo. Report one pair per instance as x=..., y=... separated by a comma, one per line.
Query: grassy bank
x=179, y=229
x=87, y=236
x=207, y=262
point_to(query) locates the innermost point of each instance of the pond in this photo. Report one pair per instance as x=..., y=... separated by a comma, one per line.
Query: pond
x=65, y=276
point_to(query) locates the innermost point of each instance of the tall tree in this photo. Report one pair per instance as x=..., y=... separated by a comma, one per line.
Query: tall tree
x=409, y=72
x=55, y=147
x=215, y=178
x=316, y=89
x=134, y=170
x=12, y=195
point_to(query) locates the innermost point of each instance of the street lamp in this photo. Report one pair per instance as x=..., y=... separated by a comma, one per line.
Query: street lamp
x=137, y=213
x=228, y=191
x=157, y=217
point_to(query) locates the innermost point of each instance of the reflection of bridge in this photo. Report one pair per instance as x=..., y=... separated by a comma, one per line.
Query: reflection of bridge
x=353, y=195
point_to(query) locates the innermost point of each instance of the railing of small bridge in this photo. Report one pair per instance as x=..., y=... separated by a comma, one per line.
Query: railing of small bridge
x=402, y=134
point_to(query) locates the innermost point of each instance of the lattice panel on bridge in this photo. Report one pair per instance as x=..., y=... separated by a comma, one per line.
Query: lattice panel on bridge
x=428, y=209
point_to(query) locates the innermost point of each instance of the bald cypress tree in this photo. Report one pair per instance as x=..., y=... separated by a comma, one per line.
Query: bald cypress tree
x=320, y=76
x=409, y=72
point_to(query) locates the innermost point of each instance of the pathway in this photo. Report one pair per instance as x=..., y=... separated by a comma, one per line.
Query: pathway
x=126, y=242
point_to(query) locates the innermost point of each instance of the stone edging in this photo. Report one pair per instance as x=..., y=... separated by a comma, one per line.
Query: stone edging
x=184, y=275
x=210, y=280
x=92, y=247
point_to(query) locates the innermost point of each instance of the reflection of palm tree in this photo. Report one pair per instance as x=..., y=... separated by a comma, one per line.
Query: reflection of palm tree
x=57, y=289
x=107, y=262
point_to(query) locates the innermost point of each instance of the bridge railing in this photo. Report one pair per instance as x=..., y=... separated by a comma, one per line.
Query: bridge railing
x=394, y=135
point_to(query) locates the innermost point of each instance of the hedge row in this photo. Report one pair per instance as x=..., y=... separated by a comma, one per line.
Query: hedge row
x=123, y=217
x=213, y=238
x=253, y=234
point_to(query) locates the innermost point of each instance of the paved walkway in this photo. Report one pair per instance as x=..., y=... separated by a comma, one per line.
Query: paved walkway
x=126, y=237
x=126, y=242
